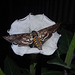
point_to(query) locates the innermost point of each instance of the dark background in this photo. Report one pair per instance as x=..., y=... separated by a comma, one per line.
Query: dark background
x=10, y=10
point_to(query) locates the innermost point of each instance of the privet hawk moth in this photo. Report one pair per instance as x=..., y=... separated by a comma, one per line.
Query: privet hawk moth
x=33, y=39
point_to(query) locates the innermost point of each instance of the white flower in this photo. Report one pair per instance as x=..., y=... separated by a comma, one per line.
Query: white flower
x=27, y=25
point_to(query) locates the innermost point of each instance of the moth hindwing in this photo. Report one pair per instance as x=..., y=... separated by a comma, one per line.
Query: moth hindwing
x=35, y=38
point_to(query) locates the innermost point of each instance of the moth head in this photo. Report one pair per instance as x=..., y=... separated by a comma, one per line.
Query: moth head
x=34, y=33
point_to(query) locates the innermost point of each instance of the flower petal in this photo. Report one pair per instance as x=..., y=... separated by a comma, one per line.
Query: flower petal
x=27, y=25
x=24, y=50
x=39, y=22
x=20, y=26
x=20, y=50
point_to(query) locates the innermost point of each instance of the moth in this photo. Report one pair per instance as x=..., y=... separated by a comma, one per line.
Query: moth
x=33, y=39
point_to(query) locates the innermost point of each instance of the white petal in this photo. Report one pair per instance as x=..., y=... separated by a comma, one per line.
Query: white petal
x=39, y=22
x=20, y=26
x=24, y=50
x=33, y=51
x=20, y=50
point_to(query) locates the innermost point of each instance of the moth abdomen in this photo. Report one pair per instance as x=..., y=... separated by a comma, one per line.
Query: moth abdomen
x=37, y=42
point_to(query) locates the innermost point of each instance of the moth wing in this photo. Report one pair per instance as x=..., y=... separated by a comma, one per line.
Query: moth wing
x=46, y=33
x=20, y=39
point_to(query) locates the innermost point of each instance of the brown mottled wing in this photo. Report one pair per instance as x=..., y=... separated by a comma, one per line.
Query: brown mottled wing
x=20, y=39
x=46, y=33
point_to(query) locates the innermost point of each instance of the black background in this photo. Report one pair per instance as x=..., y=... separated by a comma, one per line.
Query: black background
x=10, y=10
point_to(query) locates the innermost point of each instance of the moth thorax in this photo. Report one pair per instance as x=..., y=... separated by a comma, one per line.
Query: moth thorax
x=34, y=33
x=37, y=42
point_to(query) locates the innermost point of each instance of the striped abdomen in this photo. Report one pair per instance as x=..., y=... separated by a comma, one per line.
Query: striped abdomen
x=37, y=42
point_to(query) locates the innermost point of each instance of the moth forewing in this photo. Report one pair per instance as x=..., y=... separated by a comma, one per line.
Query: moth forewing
x=53, y=28
x=9, y=38
x=19, y=39
x=46, y=33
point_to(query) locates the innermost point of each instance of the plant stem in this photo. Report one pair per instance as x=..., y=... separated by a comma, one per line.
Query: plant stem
x=33, y=64
x=32, y=69
x=69, y=55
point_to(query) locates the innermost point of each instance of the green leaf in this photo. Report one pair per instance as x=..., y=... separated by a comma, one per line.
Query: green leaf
x=64, y=41
x=70, y=52
x=58, y=61
x=11, y=68
x=1, y=72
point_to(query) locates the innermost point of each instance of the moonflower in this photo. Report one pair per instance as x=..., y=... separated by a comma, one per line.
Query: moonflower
x=27, y=25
